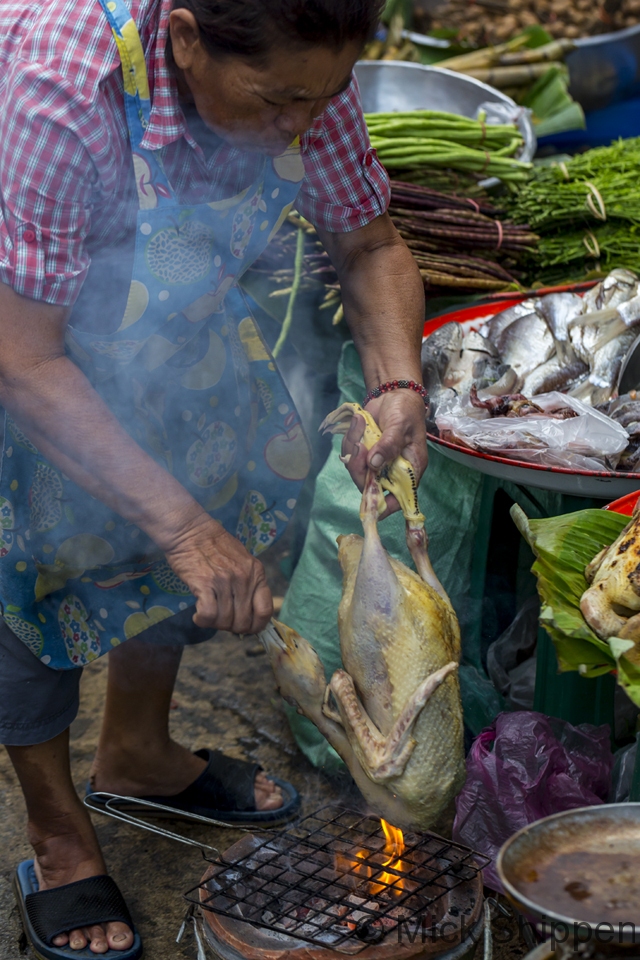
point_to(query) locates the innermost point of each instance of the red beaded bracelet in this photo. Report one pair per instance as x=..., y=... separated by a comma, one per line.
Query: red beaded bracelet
x=396, y=385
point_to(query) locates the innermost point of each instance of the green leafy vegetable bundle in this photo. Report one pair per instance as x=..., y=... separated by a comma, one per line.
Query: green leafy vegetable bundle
x=598, y=185
x=587, y=211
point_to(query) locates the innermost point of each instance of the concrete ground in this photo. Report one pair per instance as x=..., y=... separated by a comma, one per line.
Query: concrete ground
x=226, y=698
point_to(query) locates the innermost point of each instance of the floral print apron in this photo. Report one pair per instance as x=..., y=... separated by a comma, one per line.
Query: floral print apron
x=189, y=376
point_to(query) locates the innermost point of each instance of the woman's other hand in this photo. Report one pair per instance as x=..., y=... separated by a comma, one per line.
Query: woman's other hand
x=230, y=586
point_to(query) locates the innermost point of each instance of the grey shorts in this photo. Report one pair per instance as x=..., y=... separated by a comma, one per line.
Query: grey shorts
x=37, y=703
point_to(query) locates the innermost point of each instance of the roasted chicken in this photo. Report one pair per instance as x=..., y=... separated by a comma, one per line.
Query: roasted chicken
x=611, y=605
x=393, y=713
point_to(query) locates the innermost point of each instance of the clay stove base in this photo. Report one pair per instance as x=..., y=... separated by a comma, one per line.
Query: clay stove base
x=233, y=939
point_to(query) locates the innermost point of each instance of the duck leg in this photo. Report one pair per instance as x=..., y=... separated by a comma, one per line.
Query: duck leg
x=381, y=758
x=418, y=542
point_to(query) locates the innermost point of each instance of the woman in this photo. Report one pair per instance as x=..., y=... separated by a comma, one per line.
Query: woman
x=147, y=155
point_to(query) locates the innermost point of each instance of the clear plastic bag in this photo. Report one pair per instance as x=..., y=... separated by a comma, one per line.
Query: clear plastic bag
x=588, y=441
x=622, y=777
x=511, y=659
x=495, y=112
x=524, y=767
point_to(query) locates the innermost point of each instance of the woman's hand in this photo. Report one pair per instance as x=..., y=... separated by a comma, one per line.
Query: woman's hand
x=401, y=417
x=383, y=299
x=229, y=584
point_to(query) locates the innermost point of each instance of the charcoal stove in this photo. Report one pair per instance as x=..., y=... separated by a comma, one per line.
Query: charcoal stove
x=333, y=886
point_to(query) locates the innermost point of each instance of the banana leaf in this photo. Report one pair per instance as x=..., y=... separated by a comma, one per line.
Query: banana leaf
x=554, y=109
x=563, y=546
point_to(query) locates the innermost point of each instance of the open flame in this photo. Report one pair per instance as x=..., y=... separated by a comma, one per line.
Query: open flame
x=374, y=880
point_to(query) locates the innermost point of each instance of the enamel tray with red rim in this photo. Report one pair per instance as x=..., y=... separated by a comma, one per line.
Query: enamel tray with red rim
x=595, y=484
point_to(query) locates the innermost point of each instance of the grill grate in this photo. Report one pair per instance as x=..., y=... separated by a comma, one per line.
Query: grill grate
x=328, y=881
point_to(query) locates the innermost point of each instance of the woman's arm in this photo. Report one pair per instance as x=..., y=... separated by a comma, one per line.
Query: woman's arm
x=383, y=298
x=60, y=412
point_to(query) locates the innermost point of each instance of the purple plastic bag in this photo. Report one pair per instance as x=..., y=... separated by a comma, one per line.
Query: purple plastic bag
x=524, y=767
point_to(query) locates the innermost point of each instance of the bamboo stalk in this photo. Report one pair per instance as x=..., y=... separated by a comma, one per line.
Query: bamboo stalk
x=555, y=50
x=518, y=76
x=484, y=57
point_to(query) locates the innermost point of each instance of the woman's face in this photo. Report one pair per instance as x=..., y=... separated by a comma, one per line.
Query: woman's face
x=260, y=107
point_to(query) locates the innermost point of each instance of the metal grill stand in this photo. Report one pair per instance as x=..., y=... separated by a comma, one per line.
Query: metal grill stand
x=328, y=882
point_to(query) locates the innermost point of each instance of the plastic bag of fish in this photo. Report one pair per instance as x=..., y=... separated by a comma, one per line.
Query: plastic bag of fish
x=557, y=430
x=560, y=341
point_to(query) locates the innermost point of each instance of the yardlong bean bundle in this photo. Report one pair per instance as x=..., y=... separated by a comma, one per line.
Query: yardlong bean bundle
x=433, y=138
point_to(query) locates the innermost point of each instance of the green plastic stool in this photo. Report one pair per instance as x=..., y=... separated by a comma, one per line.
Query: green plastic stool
x=569, y=696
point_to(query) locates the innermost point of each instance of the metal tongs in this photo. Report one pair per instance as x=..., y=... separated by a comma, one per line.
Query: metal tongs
x=108, y=805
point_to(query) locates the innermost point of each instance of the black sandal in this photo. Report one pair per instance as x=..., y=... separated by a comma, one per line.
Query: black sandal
x=48, y=913
x=223, y=791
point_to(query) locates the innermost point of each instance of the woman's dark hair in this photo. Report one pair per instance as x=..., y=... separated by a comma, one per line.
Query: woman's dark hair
x=253, y=27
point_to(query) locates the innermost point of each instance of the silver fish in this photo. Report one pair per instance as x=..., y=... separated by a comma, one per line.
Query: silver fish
x=494, y=327
x=526, y=343
x=470, y=363
x=605, y=367
x=618, y=286
x=581, y=389
x=474, y=340
x=583, y=341
x=439, y=349
x=553, y=375
x=496, y=381
x=559, y=309
x=627, y=316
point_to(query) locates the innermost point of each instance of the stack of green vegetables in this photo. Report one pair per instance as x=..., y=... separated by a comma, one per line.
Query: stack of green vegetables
x=422, y=139
x=586, y=210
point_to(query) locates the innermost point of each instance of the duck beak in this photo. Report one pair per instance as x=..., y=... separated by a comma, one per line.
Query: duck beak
x=270, y=637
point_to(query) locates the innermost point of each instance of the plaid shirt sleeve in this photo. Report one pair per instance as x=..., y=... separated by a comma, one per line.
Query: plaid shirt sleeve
x=47, y=178
x=345, y=186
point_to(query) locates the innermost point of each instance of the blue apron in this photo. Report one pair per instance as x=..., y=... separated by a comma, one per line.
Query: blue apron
x=190, y=378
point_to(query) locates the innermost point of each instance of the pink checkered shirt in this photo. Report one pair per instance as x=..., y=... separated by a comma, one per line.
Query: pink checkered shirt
x=66, y=176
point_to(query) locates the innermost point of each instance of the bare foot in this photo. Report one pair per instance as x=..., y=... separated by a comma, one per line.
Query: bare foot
x=73, y=854
x=163, y=773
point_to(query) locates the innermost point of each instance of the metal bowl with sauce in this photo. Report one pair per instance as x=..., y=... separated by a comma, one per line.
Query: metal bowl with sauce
x=578, y=867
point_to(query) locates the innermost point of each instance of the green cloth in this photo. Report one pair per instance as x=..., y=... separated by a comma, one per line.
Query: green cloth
x=456, y=501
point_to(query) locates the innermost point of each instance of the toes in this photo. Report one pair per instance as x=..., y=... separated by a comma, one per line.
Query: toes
x=97, y=938
x=268, y=796
x=77, y=940
x=61, y=940
x=272, y=802
x=119, y=936
x=262, y=782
